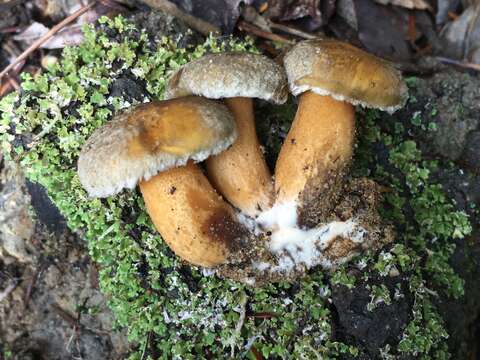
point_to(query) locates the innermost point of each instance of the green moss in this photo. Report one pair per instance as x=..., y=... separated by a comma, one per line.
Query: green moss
x=176, y=307
x=424, y=238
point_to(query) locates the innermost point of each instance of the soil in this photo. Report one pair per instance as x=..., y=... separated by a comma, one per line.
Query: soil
x=50, y=304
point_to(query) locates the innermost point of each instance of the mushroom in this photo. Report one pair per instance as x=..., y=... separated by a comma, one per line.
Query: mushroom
x=240, y=173
x=156, y=144
x=330, y=77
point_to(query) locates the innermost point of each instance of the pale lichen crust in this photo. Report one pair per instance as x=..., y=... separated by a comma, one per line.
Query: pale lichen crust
x=230, y=74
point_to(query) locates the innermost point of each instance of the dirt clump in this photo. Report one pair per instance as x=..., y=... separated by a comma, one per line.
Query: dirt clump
x=50, y=306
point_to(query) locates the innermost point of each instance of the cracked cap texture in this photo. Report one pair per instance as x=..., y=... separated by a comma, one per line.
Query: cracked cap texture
x=150, y=138
x=226, y=75
x=334, y=68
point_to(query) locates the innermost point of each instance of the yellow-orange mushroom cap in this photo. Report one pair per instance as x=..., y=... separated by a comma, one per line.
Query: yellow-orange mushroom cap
x=344, y=72
x=330, y=77
x=151, y=144
x=150, y=138
x=240, y=173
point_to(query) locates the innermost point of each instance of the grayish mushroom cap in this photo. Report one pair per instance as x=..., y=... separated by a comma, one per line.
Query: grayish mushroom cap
x=346, y=73
x=226, y=75
x=150, y=138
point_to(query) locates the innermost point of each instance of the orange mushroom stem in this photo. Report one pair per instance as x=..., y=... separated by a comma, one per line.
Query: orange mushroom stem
x=194, y=220
x=227, y=170
x=317, y=151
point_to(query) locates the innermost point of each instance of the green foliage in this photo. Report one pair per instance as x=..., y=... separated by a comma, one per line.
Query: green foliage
x=181, y=309
x=341, y=277
x=425, y=334
x=6, y=354
x=378, y=295
x=427, y=222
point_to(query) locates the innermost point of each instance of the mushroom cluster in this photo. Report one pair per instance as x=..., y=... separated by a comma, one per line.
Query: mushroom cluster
x=235, y=216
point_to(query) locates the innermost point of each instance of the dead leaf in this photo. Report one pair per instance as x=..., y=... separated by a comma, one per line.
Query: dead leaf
x=306, y=15
x=346, y=10
x=221, y=13
x=461, y=38
x=31, y=33
x=285, y=10
x=250, y=14
x=383, y=29
x=68, y=36
x=409, y=4
x=444, y=7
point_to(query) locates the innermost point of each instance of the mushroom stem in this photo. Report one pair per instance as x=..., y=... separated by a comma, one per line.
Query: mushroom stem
x=240, y=173
x=197, y=224
x=316, y=153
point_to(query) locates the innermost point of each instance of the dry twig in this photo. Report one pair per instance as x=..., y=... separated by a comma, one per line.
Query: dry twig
x=69, y=318
x=47, y=36
x=8, y=290
x=144, y=352
x=263, y=315
x=197, y=24
x=13, y=83
x=465, y=65
x=291, y=31
x=256, y=353
x=242, y=25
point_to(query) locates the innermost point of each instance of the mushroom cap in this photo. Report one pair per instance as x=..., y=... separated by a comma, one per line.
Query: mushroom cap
x=334, y=68
x=230, y=74
x=150, y=138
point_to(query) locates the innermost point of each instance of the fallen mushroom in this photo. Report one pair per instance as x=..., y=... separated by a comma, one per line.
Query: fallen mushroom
x=156, y=144
x=330, y=77
x=240, y=173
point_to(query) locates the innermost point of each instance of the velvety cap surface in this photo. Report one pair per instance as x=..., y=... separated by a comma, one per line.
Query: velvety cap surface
x=225, y=75
x=338, y=69
x=152, y=137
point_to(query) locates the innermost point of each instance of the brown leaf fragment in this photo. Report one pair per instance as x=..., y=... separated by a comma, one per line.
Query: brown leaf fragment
x=461, y=38
x=409, y=4
x=293, y=9
x=383, y=30
x=220, y=13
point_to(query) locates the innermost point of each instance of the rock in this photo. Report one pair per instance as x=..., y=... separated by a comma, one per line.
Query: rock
x=16, y=225
x=129, y=89
x=471, y=151
x=62, y=290
x=452, y=102
x=158, y=24
x=462, y=186
x=372, y=329
x=460, y=37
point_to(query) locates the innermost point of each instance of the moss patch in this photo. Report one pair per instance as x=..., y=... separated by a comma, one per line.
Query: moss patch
x=174, y=310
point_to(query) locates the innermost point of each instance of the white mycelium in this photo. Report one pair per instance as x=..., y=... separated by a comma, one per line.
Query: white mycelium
x=297, y=248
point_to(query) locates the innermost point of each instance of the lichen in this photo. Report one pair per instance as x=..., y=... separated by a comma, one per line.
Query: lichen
x=175, y=310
